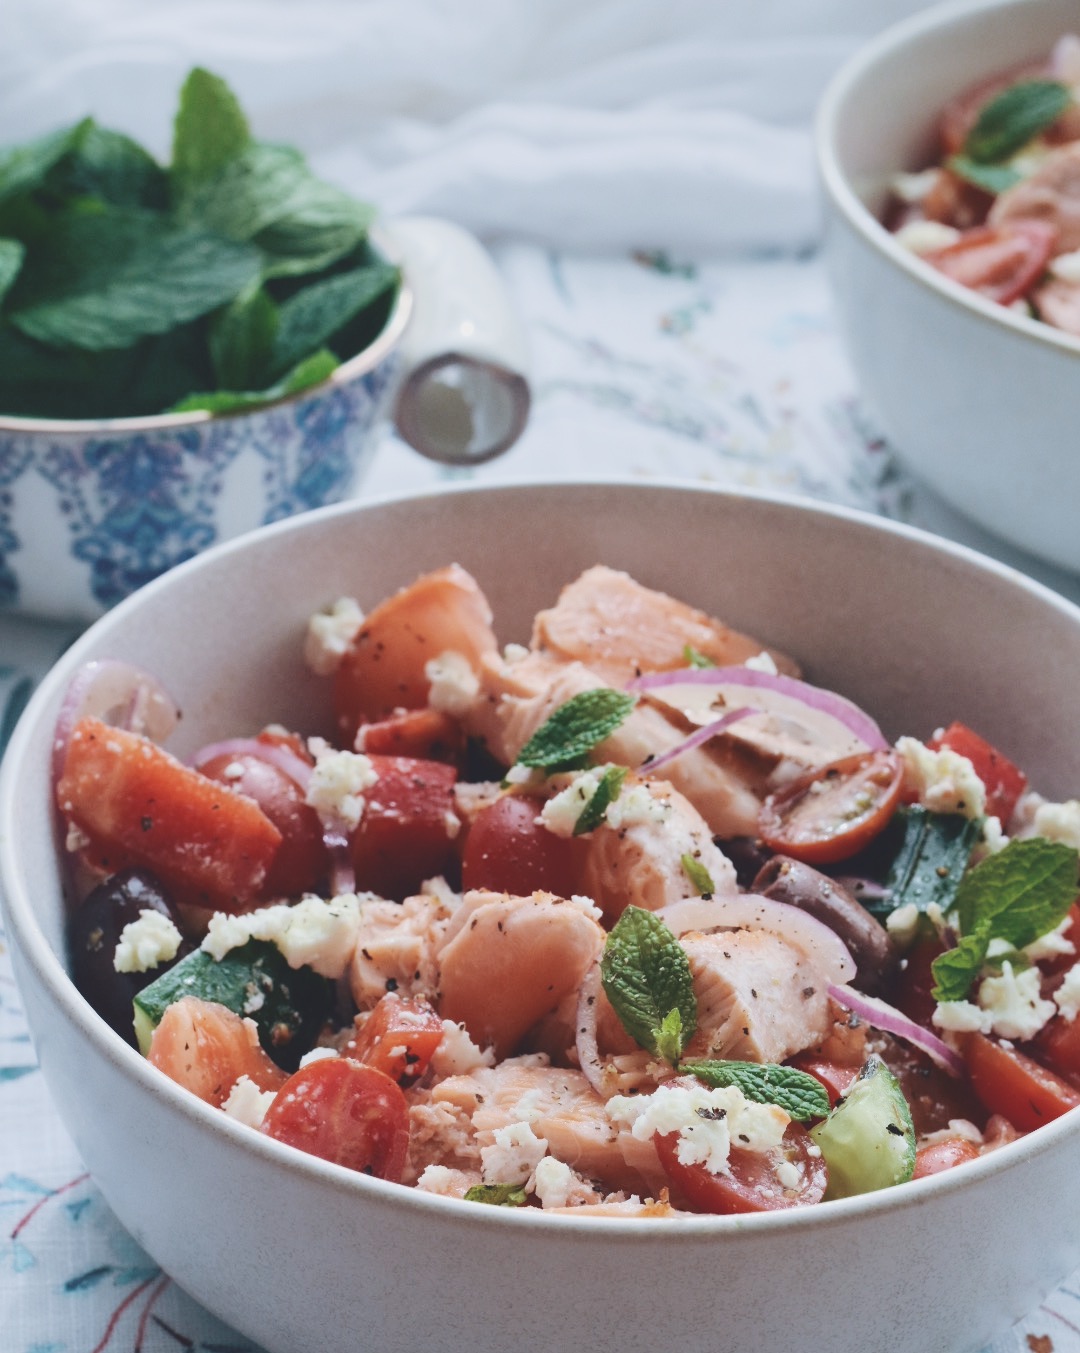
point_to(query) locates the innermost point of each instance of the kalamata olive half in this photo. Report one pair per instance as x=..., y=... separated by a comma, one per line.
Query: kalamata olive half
x=800, y=885
x=93, y=933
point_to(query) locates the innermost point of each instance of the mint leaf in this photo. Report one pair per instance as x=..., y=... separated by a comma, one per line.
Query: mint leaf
x=575, y=728
x=23, y=168
x=105, y=280
x=698, y=875
x=12, y=253
x=799, y=1094
x=607, y=791
x=497, y=1195
x=1018, y=114
x=311, y=371
x=312, y=316
x=1022, y=892
x=646, y=976
x=931, y=860
x=209, y=131
x=109, y=166
x=956, y=969
x=693, y=658
x=242, y=338
x=991, y=178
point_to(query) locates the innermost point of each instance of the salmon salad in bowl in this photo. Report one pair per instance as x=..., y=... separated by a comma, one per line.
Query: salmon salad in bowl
x=630, y=919
x=482, y=914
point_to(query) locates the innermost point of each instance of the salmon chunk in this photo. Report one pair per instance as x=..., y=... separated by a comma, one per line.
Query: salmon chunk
x=397, y=947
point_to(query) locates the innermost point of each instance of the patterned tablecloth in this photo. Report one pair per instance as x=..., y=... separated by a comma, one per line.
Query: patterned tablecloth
x=721, y=373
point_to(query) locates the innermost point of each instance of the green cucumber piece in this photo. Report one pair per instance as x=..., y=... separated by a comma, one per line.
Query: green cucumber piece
x=868, y=1140
x=289, y=1005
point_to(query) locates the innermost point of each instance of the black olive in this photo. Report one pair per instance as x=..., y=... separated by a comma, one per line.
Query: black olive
x=93, y=932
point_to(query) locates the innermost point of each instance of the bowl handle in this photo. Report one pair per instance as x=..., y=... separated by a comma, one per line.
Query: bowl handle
x=464, y=395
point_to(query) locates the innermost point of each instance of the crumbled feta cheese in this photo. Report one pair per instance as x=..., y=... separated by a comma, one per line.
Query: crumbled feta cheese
x=524, y=775
x=454, y=684
x=440, y=1179
x=1058, y=822
x=912, y=188
x=457, y=1054
x=561, y=812
x=1014, y=1003
x=554, y=1183
x=762, y=662
x=994, y=838
x=706, y=1120
x=943, y=781
x=515, y=653
x=312, y=933
x=1051, y=945
x=1067, y=996
x=637, y=804
x=961, y=1017
x=145, y=943
x=1066, y=266
x=923, y=237
x=318, y=1055
x=329, y=634
x=902, y=923
x=338, y=781
x=513, y=1155
x=247, y=1103
x=587, y=906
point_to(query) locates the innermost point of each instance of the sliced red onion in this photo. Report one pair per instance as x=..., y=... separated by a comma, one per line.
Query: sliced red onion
x=1065, y=59
x=588, y=1050
x=696, y=738
x=855, y=720
x=273, y=753
x=121, y=695
x=892, y=1021
x=749, y=911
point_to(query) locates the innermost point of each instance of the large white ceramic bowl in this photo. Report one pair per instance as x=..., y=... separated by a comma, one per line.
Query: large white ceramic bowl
x=298, y=1253
x=981, y=402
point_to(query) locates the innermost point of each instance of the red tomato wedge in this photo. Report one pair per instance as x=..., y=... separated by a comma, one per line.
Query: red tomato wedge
x=345, y=1112
x=206, y=1048
x=1014, y=1085
x=831, y=813
x=1004, y=782
x=509, y=851
x=407, y=830
x=1001, y=262
x=399, y=1036
x=139, y=806
x=751, y=1184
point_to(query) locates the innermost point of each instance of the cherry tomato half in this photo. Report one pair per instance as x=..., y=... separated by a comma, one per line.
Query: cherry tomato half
x=1001, y=262
x=1004, y=782
x=405, y=833
x=345, y=1112
x=508, y=850
x=831, y=813
x=751, y=1184
x=1014, y=1085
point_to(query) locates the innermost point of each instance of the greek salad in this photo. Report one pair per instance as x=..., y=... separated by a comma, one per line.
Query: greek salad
x=998, y=207
x=630, y=920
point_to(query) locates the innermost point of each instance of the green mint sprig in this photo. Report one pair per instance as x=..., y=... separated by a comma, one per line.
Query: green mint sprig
x=497, y=1195
x=1017, y=895
x=798, y=1093
x=1014, y=117
x=607, y=791
x=565, y=739
x=646, y=976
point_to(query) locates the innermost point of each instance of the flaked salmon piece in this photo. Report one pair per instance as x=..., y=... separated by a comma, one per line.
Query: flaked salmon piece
x=383, y=668
x=632, y=1207
x=563, y=1109
x=440, y=1135
x=641, y=861
x=760, y=999
x=447, y=1182
x=1051, y=193
x=519, y=696
x=507, y=962
x=620, y=628
x=397, y=947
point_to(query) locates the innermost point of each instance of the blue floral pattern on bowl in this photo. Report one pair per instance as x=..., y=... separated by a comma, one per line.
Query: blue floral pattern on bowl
x=91, y=512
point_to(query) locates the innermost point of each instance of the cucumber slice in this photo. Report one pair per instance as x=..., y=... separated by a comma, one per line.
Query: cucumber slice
x=289, y=1005
x=868, y=1140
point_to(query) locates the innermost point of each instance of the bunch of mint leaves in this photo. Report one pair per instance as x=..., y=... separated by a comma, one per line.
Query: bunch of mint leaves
x=228, y=278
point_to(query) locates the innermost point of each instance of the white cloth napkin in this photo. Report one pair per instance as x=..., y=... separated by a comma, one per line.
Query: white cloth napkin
x=596, y=124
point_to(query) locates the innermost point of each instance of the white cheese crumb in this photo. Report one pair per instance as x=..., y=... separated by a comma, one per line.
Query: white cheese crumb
x=587, y=906
x=638, y=804
x=554, y=1183
x=145, y=943
x=923, y=237
x=912, y=188
x=440, y=1179
x=329, y=634
x=1067, y=996
x=943, y=781
x=457, y=1054
x=318, y=1055
x=1066, y=266
x=961, y=1017
x=454, y=684
x=338, y=781
x=561, y=812
x=513, y=1155
x=706, y=1120
x=902, y=923
x=1014, y=1003
x=1058, y=822
x=311, y=933
x=762, y=662
x=515, y=653
x=1051, y=945
x=247, y=1103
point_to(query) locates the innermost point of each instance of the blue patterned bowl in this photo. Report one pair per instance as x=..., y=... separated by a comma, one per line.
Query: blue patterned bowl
x=90, y=510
